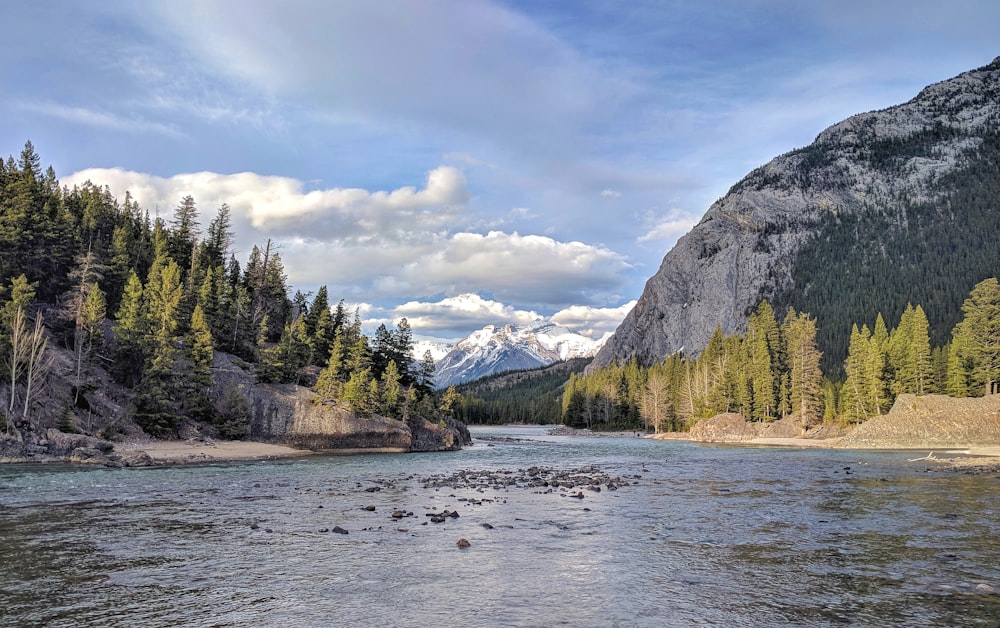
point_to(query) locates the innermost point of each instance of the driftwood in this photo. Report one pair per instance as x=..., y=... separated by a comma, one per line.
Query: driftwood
x=929, y=456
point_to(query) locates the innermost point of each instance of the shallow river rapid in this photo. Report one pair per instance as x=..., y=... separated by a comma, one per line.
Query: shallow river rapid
x=685, y=535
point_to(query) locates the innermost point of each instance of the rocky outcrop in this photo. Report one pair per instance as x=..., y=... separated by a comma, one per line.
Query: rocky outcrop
x=292, y=415
x=282, y=414
x=746, y=246
x=788, y=427
x=725, y=428
x=931, y=422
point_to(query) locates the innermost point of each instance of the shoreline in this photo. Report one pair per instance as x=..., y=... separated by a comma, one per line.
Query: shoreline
x=169, y=452
x=208, y=451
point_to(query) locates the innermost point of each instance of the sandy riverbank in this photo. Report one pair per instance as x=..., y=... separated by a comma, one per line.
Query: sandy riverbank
x=188, y=451
x=979, y=458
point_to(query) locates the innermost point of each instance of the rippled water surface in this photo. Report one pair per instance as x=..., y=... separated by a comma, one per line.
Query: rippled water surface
x=693, y=535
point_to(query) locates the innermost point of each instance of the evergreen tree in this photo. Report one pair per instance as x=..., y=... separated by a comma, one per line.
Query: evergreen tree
x=450, y=400
x=976, y=339
x=331, y=378
x=219, y=238
x=201, y=355
x=391, y=395
x=184, y=234
x=878, y=395
x=156, y=405
x=856, y=386
x=130, y=330
x=805, y=377
x=357, y=392
x=425, y=373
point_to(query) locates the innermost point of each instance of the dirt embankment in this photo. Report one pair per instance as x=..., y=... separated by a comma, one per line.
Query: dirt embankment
x=914, y=422
x=931, y=422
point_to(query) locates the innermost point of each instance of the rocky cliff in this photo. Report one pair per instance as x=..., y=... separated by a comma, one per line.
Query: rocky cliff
x=749, y=245
x=291, y=415
x=284, y=414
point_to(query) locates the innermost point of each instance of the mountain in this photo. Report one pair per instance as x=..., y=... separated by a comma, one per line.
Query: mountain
x=884, y=208
x=494, y=349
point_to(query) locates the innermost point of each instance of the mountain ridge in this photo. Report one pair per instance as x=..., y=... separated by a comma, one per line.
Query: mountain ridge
x=875, y=176
x=507, y=347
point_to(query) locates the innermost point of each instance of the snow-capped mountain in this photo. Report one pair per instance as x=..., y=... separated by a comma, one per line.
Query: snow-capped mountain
x=497, y=348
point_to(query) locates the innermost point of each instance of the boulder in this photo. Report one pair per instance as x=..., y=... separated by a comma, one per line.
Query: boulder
x=730, y=427
x=788, y=427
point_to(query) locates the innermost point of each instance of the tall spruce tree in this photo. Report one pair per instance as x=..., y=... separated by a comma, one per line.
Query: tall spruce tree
x=976, y=340
x=804, y=358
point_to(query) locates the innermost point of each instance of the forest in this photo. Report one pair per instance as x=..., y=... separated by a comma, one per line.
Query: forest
x=521, y=396
x=150, y=301
x=909, y=246
x=774, y=371
x=862, y=267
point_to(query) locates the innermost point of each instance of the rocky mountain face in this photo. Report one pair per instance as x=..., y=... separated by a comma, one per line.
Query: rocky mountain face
x=494, y=349
x=286, y=414
x=867, y=193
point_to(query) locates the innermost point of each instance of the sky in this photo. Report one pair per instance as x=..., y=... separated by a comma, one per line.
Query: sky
x=459, y=162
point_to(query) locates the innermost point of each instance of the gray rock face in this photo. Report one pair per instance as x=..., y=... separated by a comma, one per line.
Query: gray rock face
x=291, y=415
x=745, y=247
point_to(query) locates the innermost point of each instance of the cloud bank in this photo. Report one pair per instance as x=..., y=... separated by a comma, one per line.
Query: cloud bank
x=409, y=242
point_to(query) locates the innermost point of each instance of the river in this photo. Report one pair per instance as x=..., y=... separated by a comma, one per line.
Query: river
x=693, y=535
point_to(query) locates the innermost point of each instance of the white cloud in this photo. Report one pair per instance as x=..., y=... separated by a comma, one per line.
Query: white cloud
x=403, y=243
x=281, y=206
x=456, y=317
x=89, y=117
x=473, y=65
x=525, y=269
x=460, y=314
x=667, y=227
x=592, y=322
x=609, y=193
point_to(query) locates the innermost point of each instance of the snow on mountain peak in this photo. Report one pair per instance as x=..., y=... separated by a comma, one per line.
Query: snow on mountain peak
x=506, y=347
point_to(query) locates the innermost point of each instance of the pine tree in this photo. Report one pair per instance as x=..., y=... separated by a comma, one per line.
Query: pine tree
x=450, y=400
x=856, y=386
x=131, y=329
x=922, y=354
x=156, y=405
x=804, y=359
x=390, y=391
x=184, y=234
x=425, y=373
x=976, y=339
x=331, y=379
x=877, y=361
x=357, y=392
x=201, y=354
x=219, y=238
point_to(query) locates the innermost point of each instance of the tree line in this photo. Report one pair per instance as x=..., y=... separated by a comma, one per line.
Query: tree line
x=774, y=371
x=151, y=301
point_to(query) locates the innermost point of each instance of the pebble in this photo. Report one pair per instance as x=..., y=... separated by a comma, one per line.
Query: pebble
x=463, y=543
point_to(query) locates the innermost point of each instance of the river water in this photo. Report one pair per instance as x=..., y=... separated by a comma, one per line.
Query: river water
x=693, y=535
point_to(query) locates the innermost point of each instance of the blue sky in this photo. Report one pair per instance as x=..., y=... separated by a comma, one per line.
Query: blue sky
x=459, y=162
